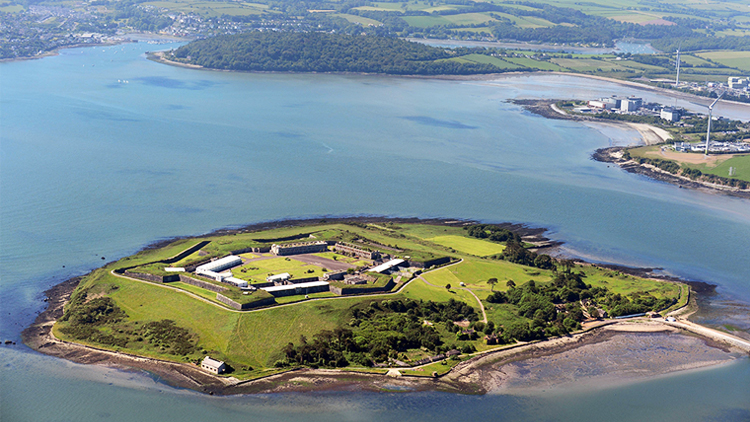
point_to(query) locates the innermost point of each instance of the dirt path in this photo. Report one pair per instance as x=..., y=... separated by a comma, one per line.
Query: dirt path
x=481, y=306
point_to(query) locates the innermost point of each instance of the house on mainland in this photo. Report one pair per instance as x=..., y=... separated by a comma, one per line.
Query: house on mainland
x=213, y=365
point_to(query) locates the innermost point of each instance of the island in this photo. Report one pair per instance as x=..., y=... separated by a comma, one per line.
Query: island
x=366, y=302
x=322, y=52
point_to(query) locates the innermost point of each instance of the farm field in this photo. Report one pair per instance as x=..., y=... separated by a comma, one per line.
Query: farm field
x=737, y=59
x=209, y=8
x=481, y=58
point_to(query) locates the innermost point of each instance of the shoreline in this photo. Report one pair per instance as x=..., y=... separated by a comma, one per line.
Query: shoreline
x=464, y=378
x=478, y=375
x=650, y=134
x=614, y=155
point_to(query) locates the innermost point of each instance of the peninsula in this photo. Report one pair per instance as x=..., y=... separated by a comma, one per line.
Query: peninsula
x=674, y=142
x=312, y=304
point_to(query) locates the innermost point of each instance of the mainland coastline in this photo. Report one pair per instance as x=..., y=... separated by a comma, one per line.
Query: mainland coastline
x=486, y=372
x=650, y=134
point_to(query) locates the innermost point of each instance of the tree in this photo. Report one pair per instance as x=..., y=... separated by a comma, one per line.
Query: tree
x=492, y=283
x=448, y=286
x=511, y=284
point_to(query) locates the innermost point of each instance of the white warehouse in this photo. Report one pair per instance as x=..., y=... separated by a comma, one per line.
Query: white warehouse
x=213, y=268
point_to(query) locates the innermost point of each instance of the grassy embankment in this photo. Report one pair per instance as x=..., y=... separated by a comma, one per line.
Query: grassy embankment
x=251, y=342
x=715, y=164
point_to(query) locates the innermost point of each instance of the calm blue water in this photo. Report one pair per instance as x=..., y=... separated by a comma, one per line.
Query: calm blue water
x=103, y=152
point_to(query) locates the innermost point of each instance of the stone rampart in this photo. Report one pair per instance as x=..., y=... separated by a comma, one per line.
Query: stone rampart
x=361, y=289
x=244, y=306
x=200, y=283
x=152, y=277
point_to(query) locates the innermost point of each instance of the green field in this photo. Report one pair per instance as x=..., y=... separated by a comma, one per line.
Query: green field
x=534, y=64
x=740, y=163
x=257, y=271
x=210, y=8
x=587, y=64
x=469, y=245
x=481, y=58
x=737, y=59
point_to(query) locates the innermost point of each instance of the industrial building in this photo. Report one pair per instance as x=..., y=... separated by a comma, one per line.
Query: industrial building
x=213, y=365
x=669, y=114
x=737, y=83
x=298, y=289
x=631, y=104
x=299, y=248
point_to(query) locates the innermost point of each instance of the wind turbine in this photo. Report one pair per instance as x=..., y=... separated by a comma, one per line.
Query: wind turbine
x=710, y=114
x=677, y=80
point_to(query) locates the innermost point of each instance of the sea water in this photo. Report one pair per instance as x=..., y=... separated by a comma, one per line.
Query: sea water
x=103, y=152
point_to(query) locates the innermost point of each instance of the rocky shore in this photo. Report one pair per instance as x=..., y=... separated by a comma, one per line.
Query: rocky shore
x=615, y=155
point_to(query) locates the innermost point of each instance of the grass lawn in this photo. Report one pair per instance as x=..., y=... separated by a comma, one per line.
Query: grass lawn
x=343, y=258
x=718, y=166
x=475, y=273
x=627, y=284
x=151, y=255
x=258, y=271
x=469, y=245
x=738, y=59
x=424, y=231
x=741, y=164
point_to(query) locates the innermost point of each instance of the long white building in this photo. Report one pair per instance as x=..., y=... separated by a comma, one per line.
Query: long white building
x=298, y=289
x=213, y=268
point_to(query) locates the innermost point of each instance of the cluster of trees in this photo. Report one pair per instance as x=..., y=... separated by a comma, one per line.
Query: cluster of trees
x=167, y=336
x=491, y=232
x=377, y=332
x=555, y=308
x=84, y=318
x=140, y=19
x=96, y=320
x=516, y=253
x=653, y=120
x=322, y=52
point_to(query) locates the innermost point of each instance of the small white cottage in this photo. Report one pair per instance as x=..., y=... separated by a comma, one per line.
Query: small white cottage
x=213, y=365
